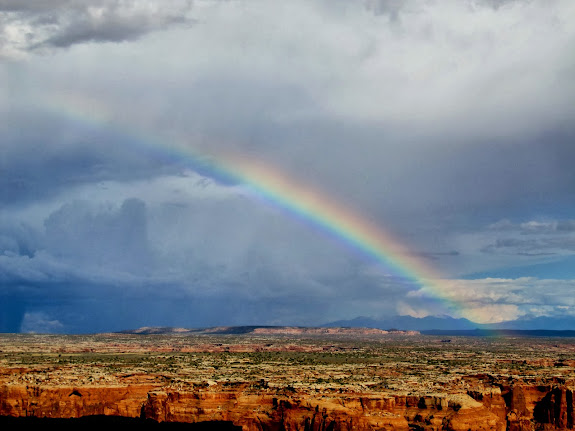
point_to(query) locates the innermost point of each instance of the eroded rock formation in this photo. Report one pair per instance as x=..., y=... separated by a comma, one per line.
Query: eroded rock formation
x=501, y=406
x=289, y=383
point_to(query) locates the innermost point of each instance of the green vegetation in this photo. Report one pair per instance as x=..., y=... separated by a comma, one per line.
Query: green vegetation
x=324, y=364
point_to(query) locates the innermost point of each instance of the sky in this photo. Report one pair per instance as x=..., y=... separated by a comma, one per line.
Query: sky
x=130, y=131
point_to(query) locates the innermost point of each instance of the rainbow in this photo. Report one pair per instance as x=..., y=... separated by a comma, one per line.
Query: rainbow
x=268, y=183
x=344, y=224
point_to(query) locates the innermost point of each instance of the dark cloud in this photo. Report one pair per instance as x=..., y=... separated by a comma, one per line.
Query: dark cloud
x=539, y=246
x=433, y=121
x=108, y=239
x=46, y=153
x=111, y=25
x=103, y=266
x=566, y=226
x=534, y=227
x=61, y=23
x=81, y=253
x=35, y=5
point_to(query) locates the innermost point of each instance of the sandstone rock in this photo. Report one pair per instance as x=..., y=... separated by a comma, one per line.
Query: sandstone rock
x=527, y=406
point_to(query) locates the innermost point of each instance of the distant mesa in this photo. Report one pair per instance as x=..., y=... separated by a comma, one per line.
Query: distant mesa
x=444, y=326
x=265, y=330
x=157, y=330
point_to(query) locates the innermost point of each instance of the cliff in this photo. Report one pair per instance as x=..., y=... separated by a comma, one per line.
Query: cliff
x=498, y=406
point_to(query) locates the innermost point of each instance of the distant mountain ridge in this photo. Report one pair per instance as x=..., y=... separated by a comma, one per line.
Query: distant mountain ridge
x=408, y=323
x=501, y=333
x=447, y=323
x=372, y=326
x=264, y=330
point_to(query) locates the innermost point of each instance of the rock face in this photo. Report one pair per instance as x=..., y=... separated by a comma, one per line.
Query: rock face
x=513, y=406
x=72, y=402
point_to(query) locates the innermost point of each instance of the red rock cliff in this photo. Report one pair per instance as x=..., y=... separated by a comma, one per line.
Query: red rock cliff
x=511, y=406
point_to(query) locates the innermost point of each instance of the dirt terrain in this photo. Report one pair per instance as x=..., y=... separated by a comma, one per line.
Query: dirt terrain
x=279, y=381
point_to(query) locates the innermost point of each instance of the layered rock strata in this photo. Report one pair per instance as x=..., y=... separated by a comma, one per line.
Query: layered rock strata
x=498, y=406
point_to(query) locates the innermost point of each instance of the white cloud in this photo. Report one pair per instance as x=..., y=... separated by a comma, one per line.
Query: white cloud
x=563, y=226
x=492, y=300
x=405, y=309
x=31, y=26
x=40, y=323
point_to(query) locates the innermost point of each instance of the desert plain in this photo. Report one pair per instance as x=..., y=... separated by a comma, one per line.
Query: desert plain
x=293, y=380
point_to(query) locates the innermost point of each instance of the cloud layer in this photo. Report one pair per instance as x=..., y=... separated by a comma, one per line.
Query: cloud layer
x=493, y=300
x=450, y=125
x=41, y=25
x=172, y=258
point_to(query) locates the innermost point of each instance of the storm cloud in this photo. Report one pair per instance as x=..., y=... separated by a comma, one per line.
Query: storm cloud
x=40, y=25
x=449, y=125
